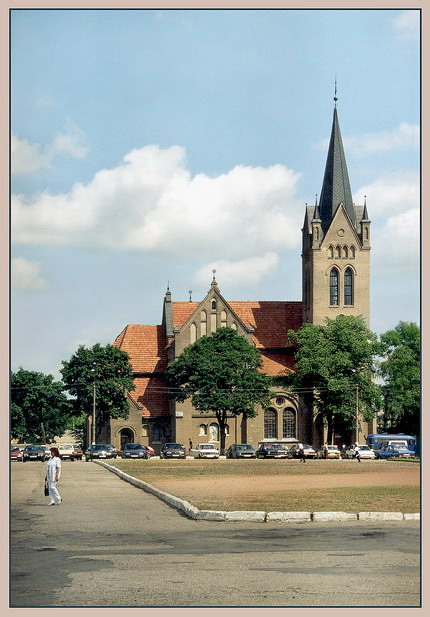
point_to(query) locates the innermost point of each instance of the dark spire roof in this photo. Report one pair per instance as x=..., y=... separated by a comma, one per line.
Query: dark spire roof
x=316, y=211
x=335, y=187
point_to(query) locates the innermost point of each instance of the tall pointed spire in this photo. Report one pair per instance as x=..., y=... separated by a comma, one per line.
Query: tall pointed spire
x=335, y=188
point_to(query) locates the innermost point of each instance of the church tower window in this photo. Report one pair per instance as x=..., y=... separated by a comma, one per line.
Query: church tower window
x=334, y=287
x=349, y=287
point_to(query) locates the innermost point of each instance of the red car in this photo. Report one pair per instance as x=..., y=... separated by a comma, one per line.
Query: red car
x=15, y=454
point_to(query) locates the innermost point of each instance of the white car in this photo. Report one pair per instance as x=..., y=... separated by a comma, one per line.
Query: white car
x=66, y=451
x=332, y=452
x=204, y=450
x=365, y=452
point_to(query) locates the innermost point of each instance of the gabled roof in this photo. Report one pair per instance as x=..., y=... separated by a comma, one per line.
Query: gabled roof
x=146, y=347
x=270, y=319
x=335, y=187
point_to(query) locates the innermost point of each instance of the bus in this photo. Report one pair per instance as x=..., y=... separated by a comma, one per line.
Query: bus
x=378, y=440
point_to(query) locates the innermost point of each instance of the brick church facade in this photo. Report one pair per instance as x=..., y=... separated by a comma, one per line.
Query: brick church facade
x=335, y=280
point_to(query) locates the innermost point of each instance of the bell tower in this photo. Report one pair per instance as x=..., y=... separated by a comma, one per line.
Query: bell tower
x=335, y=245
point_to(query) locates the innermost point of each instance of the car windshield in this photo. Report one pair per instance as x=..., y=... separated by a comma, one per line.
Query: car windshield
x=99, y=446
x=173, y=446
x=205, y=446
x=133, y=446
x=244, y=447
x=364, y=448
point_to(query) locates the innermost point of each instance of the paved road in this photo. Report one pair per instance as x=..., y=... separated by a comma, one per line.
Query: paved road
x=111, y=544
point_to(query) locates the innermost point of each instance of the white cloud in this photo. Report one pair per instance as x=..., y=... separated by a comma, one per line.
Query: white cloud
x=151, y=203
x=25, y=275
x=391, y=194
x=393, y=203
x=408, y=24
x=27, y=157
x=243, y=273
x=404, y=137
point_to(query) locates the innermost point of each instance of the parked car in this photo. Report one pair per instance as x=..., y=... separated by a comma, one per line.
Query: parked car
x=365, y=452
x=134, y=450
x=204, y=450
x=150, y=450
x=173, y=450
x=47, y=450
x=98, y=451
x=66, y=451
x=332, y=452
x=308, y=450
x=272, y=450
x=33, y=453
x=78, y=452
x=240, y=450
x=112, y=448
x=393, y=451
x=15, y=453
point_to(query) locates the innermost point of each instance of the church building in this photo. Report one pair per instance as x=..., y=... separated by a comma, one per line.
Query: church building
x=335, y=280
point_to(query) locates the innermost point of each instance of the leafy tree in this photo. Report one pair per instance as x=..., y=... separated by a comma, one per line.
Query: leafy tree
x=39, y=407
x=99, y=375
x=400, y=370
x=220, y=373
x=335, y=362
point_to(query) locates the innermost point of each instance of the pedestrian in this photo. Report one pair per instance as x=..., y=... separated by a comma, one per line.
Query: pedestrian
x=357, y=452
x=53, y=473
x=301, y=452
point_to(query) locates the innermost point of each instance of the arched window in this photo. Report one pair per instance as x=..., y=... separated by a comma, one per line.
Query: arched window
x=203, y=429
x=288, y=423
x=213, y=432
x=349, y=287
x=234, y=326
x=352, y=252
x=330, y=252
x=193, y=333
x=203, y=323
x=213, y=305
x=338, y=252
x=223, y=319
x=334, y=287
x=345, y=252
x=270, y=423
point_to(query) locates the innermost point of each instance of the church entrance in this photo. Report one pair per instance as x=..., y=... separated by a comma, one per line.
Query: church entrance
x=126, y=436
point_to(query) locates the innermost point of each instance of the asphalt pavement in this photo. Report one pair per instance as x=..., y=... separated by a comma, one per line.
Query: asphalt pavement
x=110, y=544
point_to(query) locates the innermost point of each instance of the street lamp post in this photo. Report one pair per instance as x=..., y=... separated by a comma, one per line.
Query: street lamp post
x=356, y=413
x=93, y=426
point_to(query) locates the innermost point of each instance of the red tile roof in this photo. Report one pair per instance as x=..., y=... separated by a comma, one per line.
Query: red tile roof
x=146, y=347
x=151, y=393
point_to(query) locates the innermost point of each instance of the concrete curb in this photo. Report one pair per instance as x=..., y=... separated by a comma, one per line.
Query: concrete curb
x=252, y=516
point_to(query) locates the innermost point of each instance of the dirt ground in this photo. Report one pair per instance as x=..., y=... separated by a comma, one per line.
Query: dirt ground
x=237, y=486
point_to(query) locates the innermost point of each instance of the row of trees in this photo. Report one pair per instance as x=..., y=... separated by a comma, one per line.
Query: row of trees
x=336, y=362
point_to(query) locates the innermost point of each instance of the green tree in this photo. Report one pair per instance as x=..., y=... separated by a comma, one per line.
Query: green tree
x=401, y=372
x=39, y=408
x=220, y=374
x=99, y=375
x=335, y=363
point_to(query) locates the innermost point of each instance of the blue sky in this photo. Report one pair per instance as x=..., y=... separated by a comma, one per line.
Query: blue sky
x=152, y=146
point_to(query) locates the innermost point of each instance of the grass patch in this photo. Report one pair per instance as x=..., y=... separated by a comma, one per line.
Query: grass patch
x=164, y=473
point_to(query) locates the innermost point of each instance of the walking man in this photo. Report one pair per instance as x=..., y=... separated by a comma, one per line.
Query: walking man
x=357, y=452
x=301, y=453
x=53, y=473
